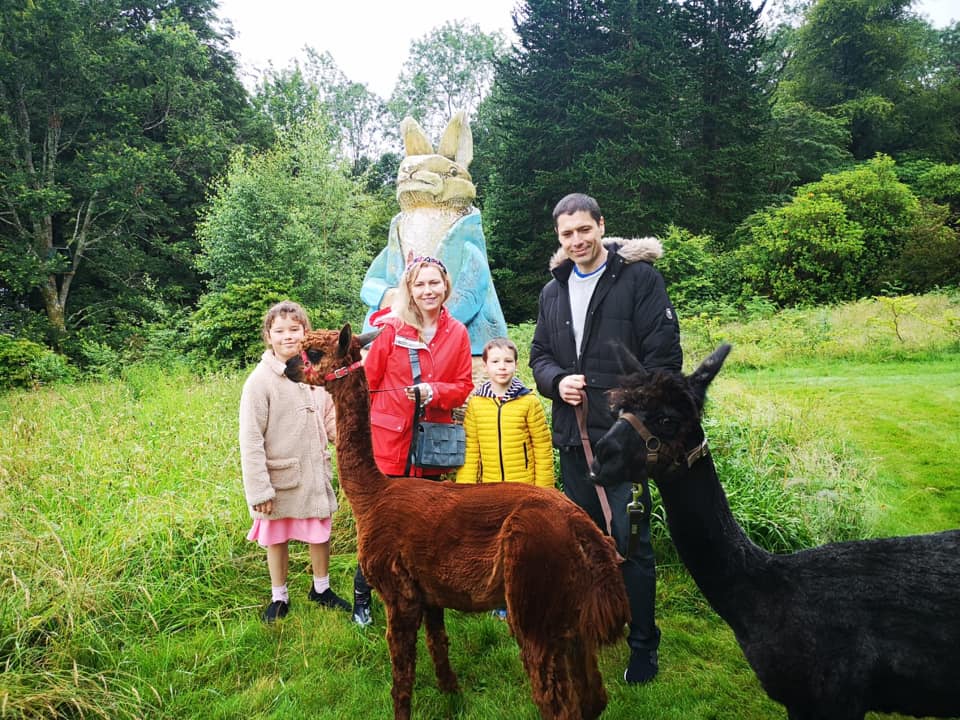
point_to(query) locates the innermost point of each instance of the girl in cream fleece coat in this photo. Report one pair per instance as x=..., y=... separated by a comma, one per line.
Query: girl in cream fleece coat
x=285, y=428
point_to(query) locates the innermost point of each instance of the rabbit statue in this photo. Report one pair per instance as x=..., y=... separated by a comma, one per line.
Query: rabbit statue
x=437, y=218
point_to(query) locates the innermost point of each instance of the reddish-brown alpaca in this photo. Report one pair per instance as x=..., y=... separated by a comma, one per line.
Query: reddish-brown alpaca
x=426, y=546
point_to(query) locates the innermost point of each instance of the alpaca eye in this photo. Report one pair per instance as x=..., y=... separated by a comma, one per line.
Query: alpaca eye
x=453, y=172
x=314, y=355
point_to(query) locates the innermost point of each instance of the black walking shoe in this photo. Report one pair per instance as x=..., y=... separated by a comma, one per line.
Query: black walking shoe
x=328, y=599
x=643, y=667
x=361, y=609
x=276, y=609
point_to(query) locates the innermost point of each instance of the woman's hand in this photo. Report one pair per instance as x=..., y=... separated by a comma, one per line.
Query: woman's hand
x=266, y=507
x=426, y=393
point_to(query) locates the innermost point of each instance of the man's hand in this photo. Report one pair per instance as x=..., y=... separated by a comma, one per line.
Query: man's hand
x=570, y=388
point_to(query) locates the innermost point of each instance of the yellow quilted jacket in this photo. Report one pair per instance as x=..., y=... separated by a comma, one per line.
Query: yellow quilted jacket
x=507, y=440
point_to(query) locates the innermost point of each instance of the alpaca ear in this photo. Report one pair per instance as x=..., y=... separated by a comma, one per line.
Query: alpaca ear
x=368, y=337
x=415, y=140
x=344, y=342
x=704, y=375
x=457, y=141
x=627, y=360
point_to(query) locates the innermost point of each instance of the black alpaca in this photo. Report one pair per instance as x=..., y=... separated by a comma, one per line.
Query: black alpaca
x=831, y=632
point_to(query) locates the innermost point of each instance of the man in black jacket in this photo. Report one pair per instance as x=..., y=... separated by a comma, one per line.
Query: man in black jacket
x=604, y=292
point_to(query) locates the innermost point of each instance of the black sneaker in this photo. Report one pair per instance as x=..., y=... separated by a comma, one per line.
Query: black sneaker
x=328, y=599
x=643, y=667
x=276, y=609
x=361, y=609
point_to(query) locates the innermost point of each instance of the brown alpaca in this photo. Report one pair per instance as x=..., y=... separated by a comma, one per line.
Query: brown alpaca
x=426, y=546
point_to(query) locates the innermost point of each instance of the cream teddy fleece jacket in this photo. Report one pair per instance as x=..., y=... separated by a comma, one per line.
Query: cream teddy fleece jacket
x=285, y=428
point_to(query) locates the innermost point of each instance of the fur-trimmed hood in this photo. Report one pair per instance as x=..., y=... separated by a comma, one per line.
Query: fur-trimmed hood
x=645, y=249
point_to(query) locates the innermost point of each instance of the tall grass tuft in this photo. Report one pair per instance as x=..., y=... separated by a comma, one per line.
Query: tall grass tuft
x=872, y=330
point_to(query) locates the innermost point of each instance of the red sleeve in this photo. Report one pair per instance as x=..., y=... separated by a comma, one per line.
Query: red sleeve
x=375, y=364
x=454, y=381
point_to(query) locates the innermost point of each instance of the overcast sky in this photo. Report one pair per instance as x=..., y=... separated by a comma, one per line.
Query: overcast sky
x=370, y=39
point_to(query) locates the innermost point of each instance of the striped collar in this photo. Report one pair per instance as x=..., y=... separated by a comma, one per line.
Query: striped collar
x=516, y=389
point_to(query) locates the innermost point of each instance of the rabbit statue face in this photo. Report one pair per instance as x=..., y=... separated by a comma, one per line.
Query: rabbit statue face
x=432, y=180
x=440, y=179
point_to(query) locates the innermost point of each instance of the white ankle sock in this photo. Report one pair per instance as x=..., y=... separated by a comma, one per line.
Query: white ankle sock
x=321, y=584
x=279, y=592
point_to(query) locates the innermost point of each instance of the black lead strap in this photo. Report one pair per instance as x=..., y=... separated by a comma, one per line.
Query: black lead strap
x=415, y=368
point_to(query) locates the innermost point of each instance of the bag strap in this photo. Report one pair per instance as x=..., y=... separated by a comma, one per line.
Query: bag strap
x=414, y=364
x=415, y=368
x=581, y=413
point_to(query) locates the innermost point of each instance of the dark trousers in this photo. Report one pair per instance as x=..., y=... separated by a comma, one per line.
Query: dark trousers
x=639, y=567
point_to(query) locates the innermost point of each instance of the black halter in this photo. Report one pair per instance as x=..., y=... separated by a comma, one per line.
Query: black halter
x=653, y=443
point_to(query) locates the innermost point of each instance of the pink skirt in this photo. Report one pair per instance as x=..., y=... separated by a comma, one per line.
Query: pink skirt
x=308, y=530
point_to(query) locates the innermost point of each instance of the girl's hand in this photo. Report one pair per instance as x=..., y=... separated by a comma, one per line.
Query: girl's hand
x=265, y=507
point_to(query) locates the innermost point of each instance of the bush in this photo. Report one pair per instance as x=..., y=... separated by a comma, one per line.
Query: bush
x=841, y=238
x=24, y=363
x=691, y=269
x=226, y=326
x=806, y=252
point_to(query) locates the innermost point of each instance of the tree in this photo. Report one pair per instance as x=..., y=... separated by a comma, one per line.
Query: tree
x=588, y=101
x=357, y=115
x=290, y=217
x=860, y=60
x=803, y=144
x=727, y=109
x=114, y=116
x=450, y=68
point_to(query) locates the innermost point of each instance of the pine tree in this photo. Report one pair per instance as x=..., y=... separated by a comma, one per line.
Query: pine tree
x=586, y=103
x=728, y=112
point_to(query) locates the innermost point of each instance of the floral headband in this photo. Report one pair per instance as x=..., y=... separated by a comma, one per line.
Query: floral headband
x=424, y=259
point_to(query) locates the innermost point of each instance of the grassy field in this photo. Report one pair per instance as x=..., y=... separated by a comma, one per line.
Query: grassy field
x=128, y=591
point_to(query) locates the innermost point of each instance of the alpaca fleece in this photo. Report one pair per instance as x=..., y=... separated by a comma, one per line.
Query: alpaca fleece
x=831, y=632
x=426, y=546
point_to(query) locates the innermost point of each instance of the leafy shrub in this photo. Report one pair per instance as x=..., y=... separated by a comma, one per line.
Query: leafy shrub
x=691, y=268
x=806, y=252
x=24, y=363
x=930, y=257
x=838, y=239
x=226, y=326
x=941, y=184
x=100, y=360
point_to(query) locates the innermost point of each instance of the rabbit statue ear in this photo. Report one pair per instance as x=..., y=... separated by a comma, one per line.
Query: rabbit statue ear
x=415, y=140
x=457, y=141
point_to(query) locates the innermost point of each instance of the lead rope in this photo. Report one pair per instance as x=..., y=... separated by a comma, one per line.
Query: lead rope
x=581, y=413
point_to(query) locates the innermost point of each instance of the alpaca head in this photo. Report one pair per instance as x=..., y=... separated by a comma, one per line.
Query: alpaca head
x=326, y=355
x=658, y=428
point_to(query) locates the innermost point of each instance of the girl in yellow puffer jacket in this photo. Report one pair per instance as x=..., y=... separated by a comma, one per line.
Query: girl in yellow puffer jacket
x=507, y=435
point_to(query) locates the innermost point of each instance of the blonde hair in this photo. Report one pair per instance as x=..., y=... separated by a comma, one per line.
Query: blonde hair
x=404, y=306
x=283, y=309
x=502, y=343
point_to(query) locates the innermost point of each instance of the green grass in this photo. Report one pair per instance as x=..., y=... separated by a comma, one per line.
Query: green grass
x=127, y=589
x=903, y=418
